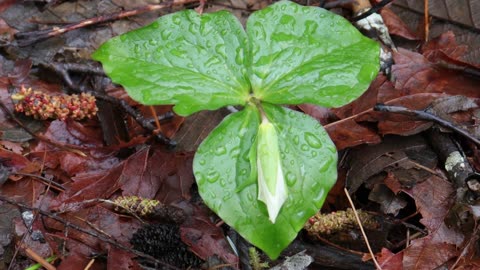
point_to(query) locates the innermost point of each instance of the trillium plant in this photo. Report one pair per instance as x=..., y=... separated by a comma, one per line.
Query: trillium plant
x=264, y=169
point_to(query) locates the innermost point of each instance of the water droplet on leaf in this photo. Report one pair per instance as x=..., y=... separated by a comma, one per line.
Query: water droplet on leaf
x=221, y=150
x=313, y=140
x=291, y=179
x=296, y=139
x=212, y=176
x=304, y=147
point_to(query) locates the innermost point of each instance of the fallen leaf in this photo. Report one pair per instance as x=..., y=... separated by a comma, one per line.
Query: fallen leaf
x=389, y=260
x=149, y=173
x=433, y=250
x=204, y=238
x=395, y=25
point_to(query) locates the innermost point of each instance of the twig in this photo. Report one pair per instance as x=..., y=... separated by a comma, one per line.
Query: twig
x=93, y=234
x=361, y=229
x=369, y=12
x=426, y=19
x=34, y=256
x=29, y=38
x=338, y=246
x=44, y=180
x=90, y=263
x=155, y=117
x=422, y=115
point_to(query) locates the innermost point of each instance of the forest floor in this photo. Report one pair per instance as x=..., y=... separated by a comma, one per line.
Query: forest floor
x=412, y=177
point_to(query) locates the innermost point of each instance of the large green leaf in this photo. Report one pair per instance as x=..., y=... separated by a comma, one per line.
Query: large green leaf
x=308, y=55
x=191, y=60
x=225, y=170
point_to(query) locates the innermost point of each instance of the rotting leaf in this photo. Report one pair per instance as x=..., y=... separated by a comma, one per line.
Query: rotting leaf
x=149, y=173
x=403, y=157
x=389, y=260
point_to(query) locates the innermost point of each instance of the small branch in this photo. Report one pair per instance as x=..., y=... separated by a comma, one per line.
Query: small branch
x=93, y=234
x=369, y=12
x=422, y=115
x=362, y=230
x=426, y=20
x=42, y=179
x=29, y=38
x=34, y=256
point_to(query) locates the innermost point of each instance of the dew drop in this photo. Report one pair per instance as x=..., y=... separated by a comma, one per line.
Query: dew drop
x=304, y=147
x=227, y=196
x=136, y=48
x=152, y=42
x=250, y=196
x=296, y=140
x=291, y=179
x=243, y=172
x=221, y=150
x=314, y=153
x=235, y=152
x=291, y=114
x=176, y=20
x=220, y=49
x=223, y=183
x=123, y=38
x=300, y=214
x=212, y=176
x=292, y=162
x=165, y=34
x=212, y=194
x=319, y=196
x=313, y=140
x=202, y=162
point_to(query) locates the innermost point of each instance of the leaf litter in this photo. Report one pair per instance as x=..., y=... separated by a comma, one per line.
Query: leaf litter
x=407, y=190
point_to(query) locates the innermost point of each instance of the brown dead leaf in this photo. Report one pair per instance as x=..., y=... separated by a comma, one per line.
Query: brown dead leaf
x=415, y=74
x=433, y=198
x=433, y=250
x=149, y=173
x=400, y=156
x=443, y=45
x=204, y=238
x=389, y=260
x=395, y=25
x=322, y=114
x=389, y=202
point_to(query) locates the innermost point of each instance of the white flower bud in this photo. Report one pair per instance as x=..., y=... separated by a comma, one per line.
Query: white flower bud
x=271, y=185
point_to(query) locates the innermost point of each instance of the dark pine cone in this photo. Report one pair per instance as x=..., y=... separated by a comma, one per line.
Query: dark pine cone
x=163, y=242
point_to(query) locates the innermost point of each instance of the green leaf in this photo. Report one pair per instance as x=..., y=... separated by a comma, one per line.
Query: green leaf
x=226, y=175
x=308, y=55
x=193, y=61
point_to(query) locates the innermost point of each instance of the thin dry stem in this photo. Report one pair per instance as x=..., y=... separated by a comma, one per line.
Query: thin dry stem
x=361, y=229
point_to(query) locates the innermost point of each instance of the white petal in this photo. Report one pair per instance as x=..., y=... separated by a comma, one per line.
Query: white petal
x=273, y=202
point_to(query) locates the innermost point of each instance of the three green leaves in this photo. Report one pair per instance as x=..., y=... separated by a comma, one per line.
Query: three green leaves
x=288, y=54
